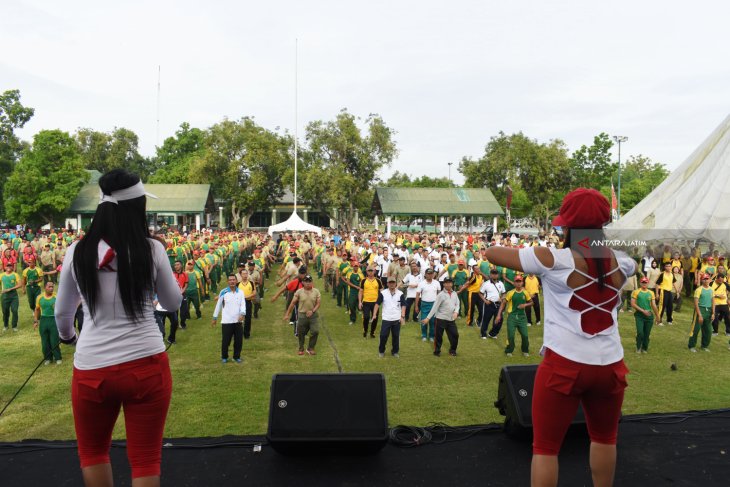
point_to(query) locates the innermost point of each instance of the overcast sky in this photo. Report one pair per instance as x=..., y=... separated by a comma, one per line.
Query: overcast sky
x=445, y=75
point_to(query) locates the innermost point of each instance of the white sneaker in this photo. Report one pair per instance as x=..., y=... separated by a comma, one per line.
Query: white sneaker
x=47, y=362
x=15, y=330
x=525, y=354
x=381, y=355
x=537, y=324
x=529, y=324
x=705, y=349
x=714, y=334
x=424, y=339
x=395, y=355
x=484, y=338
x=669, y=323
x=58, y=362
x=660, y=324
x=430, y=339
x=638, y=350
x=693, y=350
x=508, y=354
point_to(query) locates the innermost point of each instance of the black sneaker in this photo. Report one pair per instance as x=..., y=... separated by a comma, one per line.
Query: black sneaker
x=437, y=353
x=452, y=353
x=171, y=342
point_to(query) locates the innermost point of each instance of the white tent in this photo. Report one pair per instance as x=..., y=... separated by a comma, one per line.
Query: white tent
x=691, y=204
x=294, y=224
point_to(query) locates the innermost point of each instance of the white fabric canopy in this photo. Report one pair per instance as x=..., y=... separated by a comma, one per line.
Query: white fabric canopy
x=294, y=224
x=692, y=203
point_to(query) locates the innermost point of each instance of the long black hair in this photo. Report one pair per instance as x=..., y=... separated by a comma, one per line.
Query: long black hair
x=123, y=227
x=598, y=259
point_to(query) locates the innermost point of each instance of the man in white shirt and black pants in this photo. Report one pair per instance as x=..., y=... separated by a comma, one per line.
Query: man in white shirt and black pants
x=232, y=302
x=393, y=302
x=491, y=294
x=445, y=309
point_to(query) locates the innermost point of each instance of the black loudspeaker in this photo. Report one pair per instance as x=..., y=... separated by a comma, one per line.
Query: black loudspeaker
x=514, y=400
x=328, y=413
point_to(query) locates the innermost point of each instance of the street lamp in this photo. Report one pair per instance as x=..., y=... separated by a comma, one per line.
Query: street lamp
x=450, y=163
x=618, y=139
x=220, y=217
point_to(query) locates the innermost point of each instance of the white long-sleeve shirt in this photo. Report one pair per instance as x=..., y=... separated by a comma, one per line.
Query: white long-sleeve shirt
x=111, y=337
x=233, y=305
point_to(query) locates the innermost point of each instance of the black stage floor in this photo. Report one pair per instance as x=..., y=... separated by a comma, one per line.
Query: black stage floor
x=681, y=449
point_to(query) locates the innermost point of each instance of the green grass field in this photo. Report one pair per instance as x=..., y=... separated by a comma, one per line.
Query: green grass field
x=212, y=399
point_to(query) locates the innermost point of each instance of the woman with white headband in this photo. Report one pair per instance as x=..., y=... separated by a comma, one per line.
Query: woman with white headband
x=120, y=359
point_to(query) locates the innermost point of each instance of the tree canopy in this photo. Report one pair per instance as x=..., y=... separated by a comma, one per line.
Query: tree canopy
x=46, y=180
x=13, y=115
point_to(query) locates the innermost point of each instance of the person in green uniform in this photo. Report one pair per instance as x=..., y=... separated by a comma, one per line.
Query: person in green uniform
x=342, y=271
x=643, y=301
x=10, y=282
x=703, y=316
x=354, y=280
x=460, y=276
x=508, y=277
x=515, y=301
x=32, y=276
x=192, y=291
x=45, y=322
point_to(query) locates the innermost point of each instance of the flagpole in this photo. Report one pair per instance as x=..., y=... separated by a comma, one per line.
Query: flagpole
x=296, y=117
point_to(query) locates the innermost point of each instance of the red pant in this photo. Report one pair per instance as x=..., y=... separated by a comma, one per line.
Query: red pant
x=144, y=388
x=560, y=385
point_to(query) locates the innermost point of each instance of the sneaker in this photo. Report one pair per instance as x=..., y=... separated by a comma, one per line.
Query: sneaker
x=47, y=362
x=291, y=323
x=365, y=335
x=645, y=351
x=529, y=324
x=59, y=362
x=484, y=338
x=430, y=339
x=537, y=324
x=424, y=339
x=492, y=337
x=300, y=352
x=621, y=311
x=171, y=342
x=705, y=349
x=714, y=334
x=183, y=327
x=311, y=351
x=452, y=353
x=525, y=354
x=224, y=360
x=508, y=354
x=669, y=323
x=438, y=354
x=660, y=324
x=693, y=350
x=5, y=329
x=15, y=330
x=381, y=355
x=237, y=360
x=372, y=335
x=351, y=323
x=638, y=350
x=395, y=355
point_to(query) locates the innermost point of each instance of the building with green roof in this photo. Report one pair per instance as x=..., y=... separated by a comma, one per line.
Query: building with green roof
x=186, y=206
x=435, y=202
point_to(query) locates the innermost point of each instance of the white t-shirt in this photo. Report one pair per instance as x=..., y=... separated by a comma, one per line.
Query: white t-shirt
x=563, y=328
x=409, y=280
x=492, y=290
x=429, y=290
x=111, y=338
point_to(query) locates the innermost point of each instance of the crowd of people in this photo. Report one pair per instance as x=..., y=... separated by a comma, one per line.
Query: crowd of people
x=379, y=281
x=355, y=269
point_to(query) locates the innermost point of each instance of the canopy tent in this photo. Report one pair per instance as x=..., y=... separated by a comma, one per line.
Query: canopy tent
x=294, y=224
x=691, y=204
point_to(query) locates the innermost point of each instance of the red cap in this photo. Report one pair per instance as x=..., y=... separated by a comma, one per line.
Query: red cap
x=519, y=278
x=644, y=279
x=706, y=276
x=583, y=208
x=461, y=261
x=710, y=259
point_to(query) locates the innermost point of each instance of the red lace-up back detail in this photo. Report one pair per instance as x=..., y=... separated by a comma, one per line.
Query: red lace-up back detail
x=594, y=304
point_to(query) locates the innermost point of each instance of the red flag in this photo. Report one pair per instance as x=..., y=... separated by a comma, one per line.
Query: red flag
x=509, y=197
x=614, y=204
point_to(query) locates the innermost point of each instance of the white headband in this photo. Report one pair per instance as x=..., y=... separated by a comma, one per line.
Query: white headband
x=125, y=194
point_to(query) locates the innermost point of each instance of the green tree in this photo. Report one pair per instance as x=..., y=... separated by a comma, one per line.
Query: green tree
x=536, y=172
x=176, y=154
x=341, y=163
x=118, y=149
x=245, y=165
x=591, y=167
x=639, y=177
x=46, y=180
x=402, y=180
x=13, y=115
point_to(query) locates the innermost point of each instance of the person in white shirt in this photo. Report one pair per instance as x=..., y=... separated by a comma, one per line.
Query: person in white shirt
x=114, y=272
x=582, y=345
x=393, y=303
x=383, y=262
x=491, y=294
x=411, y=282
x=426, y=294
x=444, y=311
x=232, y=302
